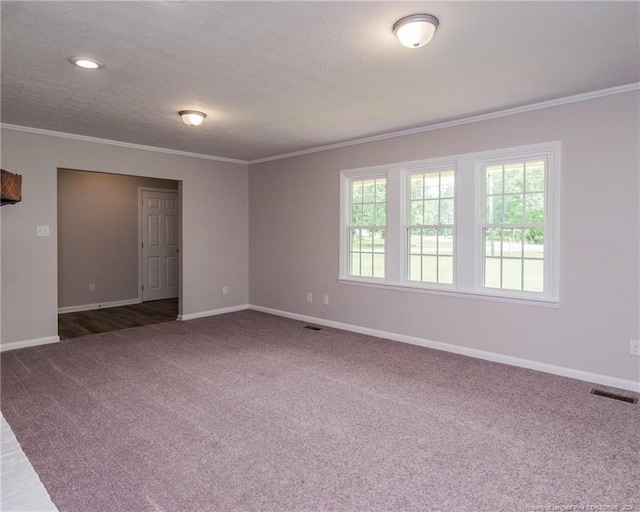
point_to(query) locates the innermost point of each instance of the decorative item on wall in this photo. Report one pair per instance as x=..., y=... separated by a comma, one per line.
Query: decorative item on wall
x=11, y=188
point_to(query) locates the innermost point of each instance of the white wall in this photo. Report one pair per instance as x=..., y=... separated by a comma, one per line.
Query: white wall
x=215, y=226
x=294, y=230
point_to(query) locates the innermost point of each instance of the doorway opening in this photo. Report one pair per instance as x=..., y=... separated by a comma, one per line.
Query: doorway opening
x=101, y=270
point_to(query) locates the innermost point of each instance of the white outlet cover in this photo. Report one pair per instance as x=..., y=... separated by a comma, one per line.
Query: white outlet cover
x=43, y=231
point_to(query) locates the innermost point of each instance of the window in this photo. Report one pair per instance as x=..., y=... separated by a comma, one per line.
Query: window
x=431, y=222
x=513, y=226
x=368, y=227
x=483, y=224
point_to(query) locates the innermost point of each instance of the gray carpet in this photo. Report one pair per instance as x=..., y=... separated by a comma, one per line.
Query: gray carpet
x=251, y=412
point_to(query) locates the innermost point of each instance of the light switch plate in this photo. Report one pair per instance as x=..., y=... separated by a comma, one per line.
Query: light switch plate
x=43, y=231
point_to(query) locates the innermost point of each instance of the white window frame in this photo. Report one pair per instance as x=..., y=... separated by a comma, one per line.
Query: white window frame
x=405, y=201
x=346, y=179
x=550, y=153
x=468, y=220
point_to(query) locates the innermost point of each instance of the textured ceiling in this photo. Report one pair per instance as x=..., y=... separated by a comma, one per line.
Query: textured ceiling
x=279, y=77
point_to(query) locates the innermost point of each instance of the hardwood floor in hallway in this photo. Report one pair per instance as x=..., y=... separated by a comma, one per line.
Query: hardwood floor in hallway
x=83, y=323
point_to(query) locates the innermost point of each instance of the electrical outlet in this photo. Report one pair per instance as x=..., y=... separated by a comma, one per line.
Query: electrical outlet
x=309, y=297
x=43, y=231
x=225, y=290
x=92, y=287
x=634, y=347
x=325, y=299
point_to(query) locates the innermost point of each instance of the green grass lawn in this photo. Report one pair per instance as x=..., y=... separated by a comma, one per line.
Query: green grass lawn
x=429, y=266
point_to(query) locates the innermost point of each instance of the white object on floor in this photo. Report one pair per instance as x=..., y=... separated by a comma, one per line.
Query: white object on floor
x=20, y=486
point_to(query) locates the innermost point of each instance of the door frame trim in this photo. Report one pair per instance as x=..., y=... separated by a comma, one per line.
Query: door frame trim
x=140, y=265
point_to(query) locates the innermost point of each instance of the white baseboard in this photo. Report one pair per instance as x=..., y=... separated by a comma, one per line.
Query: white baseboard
x=28, y=343
x=101, y=305
x=596, y=378
x=213, y=312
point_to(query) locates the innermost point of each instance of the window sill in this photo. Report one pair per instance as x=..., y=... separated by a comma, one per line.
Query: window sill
x=449, y=292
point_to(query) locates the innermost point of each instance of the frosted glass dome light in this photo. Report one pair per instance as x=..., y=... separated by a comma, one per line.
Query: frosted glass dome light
x=416, y=30
x=192, y=117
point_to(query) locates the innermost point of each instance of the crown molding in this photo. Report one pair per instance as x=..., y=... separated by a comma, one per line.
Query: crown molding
x=458, y=122
x=412, y=131
x=109, y=142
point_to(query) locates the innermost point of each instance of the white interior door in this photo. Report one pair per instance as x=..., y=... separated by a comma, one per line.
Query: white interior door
x=159, y=245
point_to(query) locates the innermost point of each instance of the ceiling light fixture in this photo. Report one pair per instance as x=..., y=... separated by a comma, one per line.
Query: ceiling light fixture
x=85, y=63
x=416, y=30
x=192, y=117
